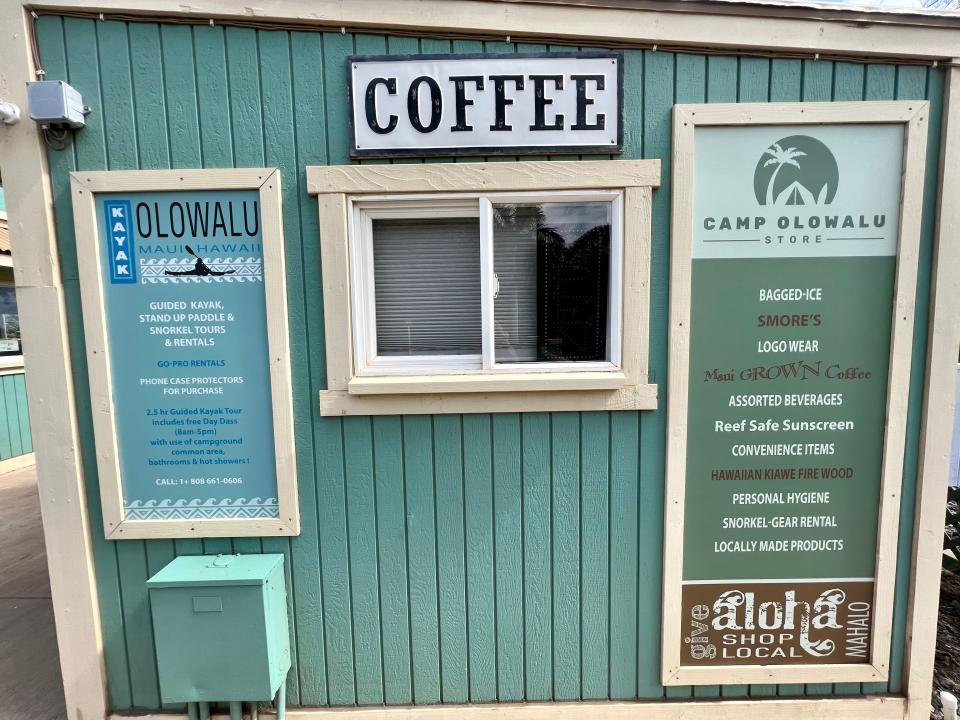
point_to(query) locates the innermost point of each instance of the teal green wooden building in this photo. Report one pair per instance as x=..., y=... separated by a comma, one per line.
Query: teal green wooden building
x=15, y=438
x=462, y=558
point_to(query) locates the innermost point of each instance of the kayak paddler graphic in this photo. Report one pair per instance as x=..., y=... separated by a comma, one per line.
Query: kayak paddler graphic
x=200, y=267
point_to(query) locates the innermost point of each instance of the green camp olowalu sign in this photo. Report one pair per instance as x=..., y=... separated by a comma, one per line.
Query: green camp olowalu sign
x=794, y=257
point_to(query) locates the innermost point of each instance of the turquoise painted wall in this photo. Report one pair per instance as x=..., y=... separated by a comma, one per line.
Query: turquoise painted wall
x=450, y=558
x=15, y=437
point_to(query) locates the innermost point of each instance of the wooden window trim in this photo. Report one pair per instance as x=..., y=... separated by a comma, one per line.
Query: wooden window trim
x=349, y=393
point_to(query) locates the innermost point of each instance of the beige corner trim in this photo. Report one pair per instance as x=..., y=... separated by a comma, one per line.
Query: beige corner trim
x=802, y=113
x=479, y=176
x=50, y=391
x=635, y=397
x=867, y=708
x=937, y=429
x=818, y=33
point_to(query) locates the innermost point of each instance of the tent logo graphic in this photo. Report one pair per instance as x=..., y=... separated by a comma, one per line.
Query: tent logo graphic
x=796, y=170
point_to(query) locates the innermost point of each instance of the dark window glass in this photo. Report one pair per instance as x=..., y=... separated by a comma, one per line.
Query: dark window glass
x=552, y=262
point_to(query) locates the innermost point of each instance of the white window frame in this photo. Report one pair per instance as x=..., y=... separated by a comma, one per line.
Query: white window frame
x=359, y=383
x=363, y=210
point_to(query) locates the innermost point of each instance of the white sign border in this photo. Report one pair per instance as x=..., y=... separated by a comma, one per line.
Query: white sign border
x=686, y=118
x=467, y=150
x=85, y=186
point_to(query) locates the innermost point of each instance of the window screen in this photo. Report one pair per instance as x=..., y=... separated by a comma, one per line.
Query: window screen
x=427, y=286
x=552, y=262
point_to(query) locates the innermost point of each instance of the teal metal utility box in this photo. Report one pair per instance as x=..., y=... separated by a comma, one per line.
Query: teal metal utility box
x=220, y=625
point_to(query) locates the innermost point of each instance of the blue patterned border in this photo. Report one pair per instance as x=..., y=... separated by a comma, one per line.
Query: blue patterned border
x=202, y=509
x=152, y=270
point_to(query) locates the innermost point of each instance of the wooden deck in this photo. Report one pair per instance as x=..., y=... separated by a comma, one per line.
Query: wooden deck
x=30, y=683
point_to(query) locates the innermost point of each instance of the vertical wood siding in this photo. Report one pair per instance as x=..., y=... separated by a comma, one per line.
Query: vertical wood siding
x=15, y=438
x=443, y=559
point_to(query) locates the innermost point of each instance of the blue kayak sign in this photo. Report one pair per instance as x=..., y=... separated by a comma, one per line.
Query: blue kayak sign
x=119, y=248
x=186, y=326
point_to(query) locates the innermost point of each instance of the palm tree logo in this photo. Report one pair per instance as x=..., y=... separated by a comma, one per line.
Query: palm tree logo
x=796, y=170
x=780, y=157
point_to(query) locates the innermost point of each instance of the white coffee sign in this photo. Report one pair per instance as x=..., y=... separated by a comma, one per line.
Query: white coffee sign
x=486, y=104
